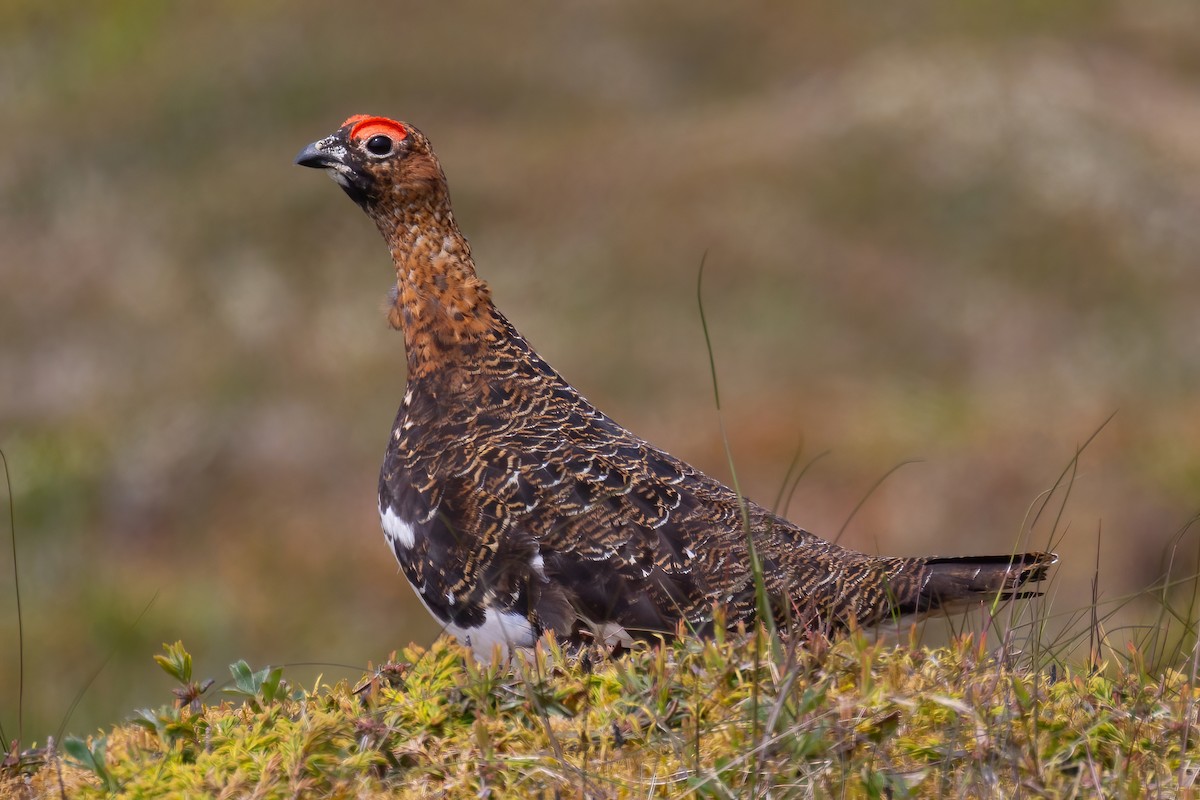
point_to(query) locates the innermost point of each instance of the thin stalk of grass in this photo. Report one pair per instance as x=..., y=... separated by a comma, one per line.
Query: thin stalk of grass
x=764, y=606
x=1070, y=469
x=1034, y=641
x=1068, y=640
x=787, y=499
x=1152, y=637
x=523, y=667
x=1189, y=705
x=1094, y=628
x=585, y=743
x=697, y=694
x=12, y=528
x=62, y=727
x=762, y=600
x=787, y=476
x=1161, y=638
x=867, y=496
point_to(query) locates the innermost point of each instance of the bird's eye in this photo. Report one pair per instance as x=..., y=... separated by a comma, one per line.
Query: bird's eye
x=379, y=145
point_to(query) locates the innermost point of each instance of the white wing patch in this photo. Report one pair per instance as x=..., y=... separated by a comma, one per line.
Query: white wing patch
x=396, y=530
x=507, y=629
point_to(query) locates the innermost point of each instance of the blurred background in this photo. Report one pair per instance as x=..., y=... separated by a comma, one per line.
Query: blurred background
x=957, y=234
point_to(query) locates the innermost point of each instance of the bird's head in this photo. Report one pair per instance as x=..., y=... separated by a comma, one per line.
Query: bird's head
x=377, y=160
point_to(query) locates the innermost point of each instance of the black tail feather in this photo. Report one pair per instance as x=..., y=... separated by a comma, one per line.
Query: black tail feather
x=954, y=582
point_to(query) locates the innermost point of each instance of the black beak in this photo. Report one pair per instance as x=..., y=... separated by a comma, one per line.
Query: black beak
x=330, y=154
x=314, y=156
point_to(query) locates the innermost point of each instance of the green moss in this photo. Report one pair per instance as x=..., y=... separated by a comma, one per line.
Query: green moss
x=709, y=719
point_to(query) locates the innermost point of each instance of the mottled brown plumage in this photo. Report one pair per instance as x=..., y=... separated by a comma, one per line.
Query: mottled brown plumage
x=515, y=507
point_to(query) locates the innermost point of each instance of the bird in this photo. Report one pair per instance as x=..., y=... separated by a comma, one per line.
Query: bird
x=516, y=508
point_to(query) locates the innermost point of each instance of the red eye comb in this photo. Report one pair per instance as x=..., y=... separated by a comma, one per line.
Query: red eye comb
x=366, y=125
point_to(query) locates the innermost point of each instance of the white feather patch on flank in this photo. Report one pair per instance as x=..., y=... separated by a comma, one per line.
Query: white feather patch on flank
x=396, y=530
x=539, y=565
x=503, y=629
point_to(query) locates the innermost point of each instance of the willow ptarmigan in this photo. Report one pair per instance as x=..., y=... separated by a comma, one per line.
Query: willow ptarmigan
x=515, y=507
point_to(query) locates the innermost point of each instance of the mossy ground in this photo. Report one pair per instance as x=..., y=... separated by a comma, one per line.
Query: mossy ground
x=738, y=717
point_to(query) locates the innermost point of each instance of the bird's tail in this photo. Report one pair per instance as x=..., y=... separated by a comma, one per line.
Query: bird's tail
x=951, y=583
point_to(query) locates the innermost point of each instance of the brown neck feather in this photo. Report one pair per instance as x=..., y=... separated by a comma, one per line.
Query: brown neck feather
x=443, y=308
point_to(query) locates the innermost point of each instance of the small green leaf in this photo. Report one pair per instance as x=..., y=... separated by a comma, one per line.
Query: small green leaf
x=77, y=749
x=1022, y=692
x=144, y=718
x=260, y=688
x=243, y=678
x=177, y=662
x=91, y=758
x=270, y=682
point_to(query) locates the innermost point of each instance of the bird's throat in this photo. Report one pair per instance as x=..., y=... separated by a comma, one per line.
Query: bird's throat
x=443, y=308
